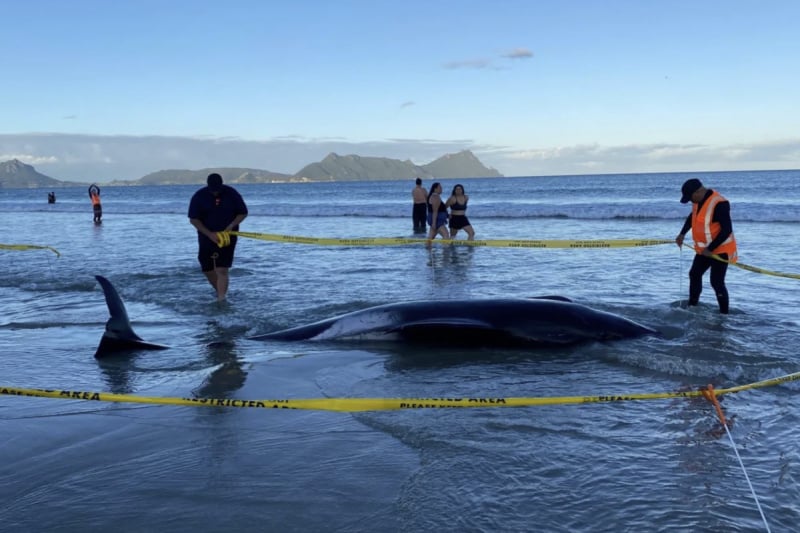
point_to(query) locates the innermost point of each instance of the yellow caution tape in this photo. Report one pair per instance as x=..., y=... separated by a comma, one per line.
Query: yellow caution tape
x=756, y=269
x=223, y=239
x=752, y=268
x=351, y=405
x=22, y=247
x=504, y=243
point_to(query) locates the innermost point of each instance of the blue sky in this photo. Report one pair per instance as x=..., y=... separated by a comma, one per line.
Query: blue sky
x=104, y=90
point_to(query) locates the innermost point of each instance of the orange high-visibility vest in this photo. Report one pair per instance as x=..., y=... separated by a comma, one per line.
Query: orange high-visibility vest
x=705, y=230
x=95, y=199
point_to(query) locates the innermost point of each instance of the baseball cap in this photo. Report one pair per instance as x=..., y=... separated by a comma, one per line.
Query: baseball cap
x=688, y=189
x=214, y=182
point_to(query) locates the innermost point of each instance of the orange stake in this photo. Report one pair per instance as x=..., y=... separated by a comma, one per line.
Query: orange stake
x=710, y=395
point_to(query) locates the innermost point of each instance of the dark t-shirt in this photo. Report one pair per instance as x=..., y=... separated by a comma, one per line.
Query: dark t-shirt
x=216, y=212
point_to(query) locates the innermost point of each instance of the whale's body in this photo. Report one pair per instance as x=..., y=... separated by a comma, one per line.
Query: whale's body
x=507, y=321
x=544, y=321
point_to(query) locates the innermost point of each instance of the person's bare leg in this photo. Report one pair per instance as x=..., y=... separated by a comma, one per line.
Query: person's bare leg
x=211, y=276
x=222, y=283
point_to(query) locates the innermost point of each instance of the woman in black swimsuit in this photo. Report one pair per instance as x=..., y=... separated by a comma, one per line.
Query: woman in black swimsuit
x=458, y=213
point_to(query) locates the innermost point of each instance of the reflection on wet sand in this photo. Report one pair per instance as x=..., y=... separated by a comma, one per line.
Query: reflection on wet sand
x=117, y=373
x=228, y=377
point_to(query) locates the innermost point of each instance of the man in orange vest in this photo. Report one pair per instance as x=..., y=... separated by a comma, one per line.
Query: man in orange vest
x=712, y=232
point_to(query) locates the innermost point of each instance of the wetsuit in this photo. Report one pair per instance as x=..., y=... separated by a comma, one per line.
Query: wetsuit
x=722, y=216
x=418, y=216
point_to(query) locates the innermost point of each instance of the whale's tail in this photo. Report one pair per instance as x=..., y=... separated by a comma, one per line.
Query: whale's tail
x=119, y=335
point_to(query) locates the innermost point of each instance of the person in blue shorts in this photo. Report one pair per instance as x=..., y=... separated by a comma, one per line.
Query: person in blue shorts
x=437, y=213
x=214, y=208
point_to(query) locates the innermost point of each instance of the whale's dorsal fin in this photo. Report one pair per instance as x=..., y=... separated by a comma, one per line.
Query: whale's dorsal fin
x=119, y=335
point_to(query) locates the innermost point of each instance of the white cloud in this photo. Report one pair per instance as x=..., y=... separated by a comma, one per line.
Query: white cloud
x=29, y=159
x=481, y=63
x=488, y=63
x=100, y=158
x=518, y=53
x=663, y=157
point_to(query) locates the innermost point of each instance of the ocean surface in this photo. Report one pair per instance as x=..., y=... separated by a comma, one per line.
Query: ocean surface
x=653, y=465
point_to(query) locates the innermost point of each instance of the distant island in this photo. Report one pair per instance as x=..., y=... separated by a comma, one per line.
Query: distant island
x=15, y=174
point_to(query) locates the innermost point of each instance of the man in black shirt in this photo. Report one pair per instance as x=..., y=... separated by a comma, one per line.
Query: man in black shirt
x=215, y=208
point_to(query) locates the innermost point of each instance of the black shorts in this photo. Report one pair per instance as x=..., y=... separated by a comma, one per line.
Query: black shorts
x=459, y=221
x=212, y=256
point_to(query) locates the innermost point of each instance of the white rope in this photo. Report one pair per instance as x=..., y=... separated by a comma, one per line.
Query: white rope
x=752, y=490
x=680, y=274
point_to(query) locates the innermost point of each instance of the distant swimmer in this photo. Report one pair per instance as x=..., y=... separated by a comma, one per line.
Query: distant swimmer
x=420, y=197
x=212, y=209
x=712, y=232
x=51, y=198
x=458, y=213
x=94, y=194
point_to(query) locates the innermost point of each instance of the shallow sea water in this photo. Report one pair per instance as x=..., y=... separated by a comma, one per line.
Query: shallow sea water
x=663, y=465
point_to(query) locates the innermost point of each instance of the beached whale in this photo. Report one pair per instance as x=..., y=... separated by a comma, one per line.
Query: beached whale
x=542, y=321
x=548, y=320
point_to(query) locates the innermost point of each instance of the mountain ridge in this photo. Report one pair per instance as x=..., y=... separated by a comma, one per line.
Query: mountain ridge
x=334, y=167
x=15, y=174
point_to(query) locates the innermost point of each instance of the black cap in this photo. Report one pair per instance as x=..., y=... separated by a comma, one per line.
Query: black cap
x=689, y=188
x=214, y=182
